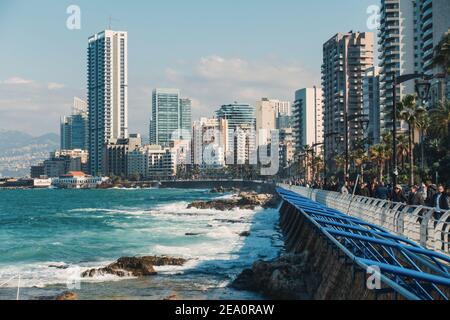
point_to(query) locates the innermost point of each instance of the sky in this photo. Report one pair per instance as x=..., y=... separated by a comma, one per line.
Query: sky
x=215, y=52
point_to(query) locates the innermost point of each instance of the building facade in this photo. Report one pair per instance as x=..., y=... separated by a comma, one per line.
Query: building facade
x=346, y=57
x=210, y=142
x=237, y=115
x=166, y=116
x=397, y=55
x=107, y=94
x=116, y=154
x=74, y=128
x=431, y=21
x=185, y=119
x=58, y=166
x=268, y=110
x=308, y=118
x=287, y=147
x=371, y=102
x=152, y=162
x=244, y=146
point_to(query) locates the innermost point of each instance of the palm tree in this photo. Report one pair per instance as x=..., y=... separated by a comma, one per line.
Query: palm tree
x=440, y=118
x=340, y=161
x=442, y=54
x=413, y=115
x=359, y=156
x=379, y=153
x=402, y=148
x=423, y=125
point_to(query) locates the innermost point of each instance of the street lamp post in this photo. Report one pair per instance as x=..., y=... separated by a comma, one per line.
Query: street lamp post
x=422, y=94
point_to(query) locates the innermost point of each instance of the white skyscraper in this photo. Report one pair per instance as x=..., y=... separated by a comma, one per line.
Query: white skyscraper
x=308, y=118
x=396, y=47
x=107, y=94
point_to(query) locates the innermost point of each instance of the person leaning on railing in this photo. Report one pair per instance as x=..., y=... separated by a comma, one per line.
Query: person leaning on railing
x=381, y=191
x=398, y=195
x=415, y=198
x=441, y=201
x=431, y=191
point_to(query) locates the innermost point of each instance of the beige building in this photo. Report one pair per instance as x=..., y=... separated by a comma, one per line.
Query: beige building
x=267, y=111
x=152, y=162
x=210, y=141
x=76, y=153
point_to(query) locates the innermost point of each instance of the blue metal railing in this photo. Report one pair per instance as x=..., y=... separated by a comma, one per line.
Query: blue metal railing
x=410, y=270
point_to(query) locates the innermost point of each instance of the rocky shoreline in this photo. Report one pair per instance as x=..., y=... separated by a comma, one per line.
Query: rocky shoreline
x=287, y=277
x=242, y=201
x=134, y=266
x=145, y=266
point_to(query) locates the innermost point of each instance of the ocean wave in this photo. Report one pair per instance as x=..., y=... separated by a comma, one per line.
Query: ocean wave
x=217, y=247
x=40, y=275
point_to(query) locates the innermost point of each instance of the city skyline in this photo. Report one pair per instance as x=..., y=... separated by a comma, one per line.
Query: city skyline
x=221, y=70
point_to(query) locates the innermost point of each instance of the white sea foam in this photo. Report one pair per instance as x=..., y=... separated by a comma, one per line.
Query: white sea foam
x=42, y=274
x=217, y=245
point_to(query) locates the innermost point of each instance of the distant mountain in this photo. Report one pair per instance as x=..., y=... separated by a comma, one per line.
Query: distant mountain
x=19, y=151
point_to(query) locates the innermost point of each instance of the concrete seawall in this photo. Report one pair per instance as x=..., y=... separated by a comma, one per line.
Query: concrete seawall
x=335, y=278
x=352, y=259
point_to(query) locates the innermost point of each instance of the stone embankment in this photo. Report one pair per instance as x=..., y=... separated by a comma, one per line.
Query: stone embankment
x=134, y=266
x=312, y=269
x=243, y=201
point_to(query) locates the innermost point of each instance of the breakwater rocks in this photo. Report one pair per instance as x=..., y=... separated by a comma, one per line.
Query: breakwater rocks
x=243, y=201
x=287, y=277
x=221, y=189
x=134, y=266
x=67, y=296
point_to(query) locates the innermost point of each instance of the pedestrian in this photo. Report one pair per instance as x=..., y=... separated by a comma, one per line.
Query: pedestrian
x=344, y=189
x=415, y=198
x=398, y=195
x=423, y=191
x=431, y=192
x=364, y=190
x=381, y=192
x=441, y=201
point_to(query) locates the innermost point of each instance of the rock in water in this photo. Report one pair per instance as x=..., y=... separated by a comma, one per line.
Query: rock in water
x=134, y=266
x=243, y=201
x=68, y=295
x=282, y=278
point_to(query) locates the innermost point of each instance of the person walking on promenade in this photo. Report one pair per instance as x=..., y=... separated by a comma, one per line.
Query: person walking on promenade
x=423, y=191
x=381, y=192
x=431, y=192
x=441, y=201
x=415, y=197
x=364, y=190
x=398, y=195
x=344, y=189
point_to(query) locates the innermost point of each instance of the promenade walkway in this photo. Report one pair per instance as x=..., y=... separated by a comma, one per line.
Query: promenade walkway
x=405, y=268
x=423, y=225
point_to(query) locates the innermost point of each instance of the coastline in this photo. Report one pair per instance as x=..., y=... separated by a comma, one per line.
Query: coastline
x=204, y=283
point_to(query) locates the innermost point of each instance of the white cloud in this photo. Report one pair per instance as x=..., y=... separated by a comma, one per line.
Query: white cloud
x=17, y=81
x=28, y=106
x=55, y=86
x=215, y=80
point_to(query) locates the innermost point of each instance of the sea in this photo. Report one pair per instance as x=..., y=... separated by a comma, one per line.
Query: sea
x=49, y=237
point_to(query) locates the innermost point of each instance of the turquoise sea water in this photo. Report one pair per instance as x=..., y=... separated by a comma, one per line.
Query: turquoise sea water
x=49, y=236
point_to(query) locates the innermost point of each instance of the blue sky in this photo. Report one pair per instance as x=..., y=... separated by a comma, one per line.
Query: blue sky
x=215, y=52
